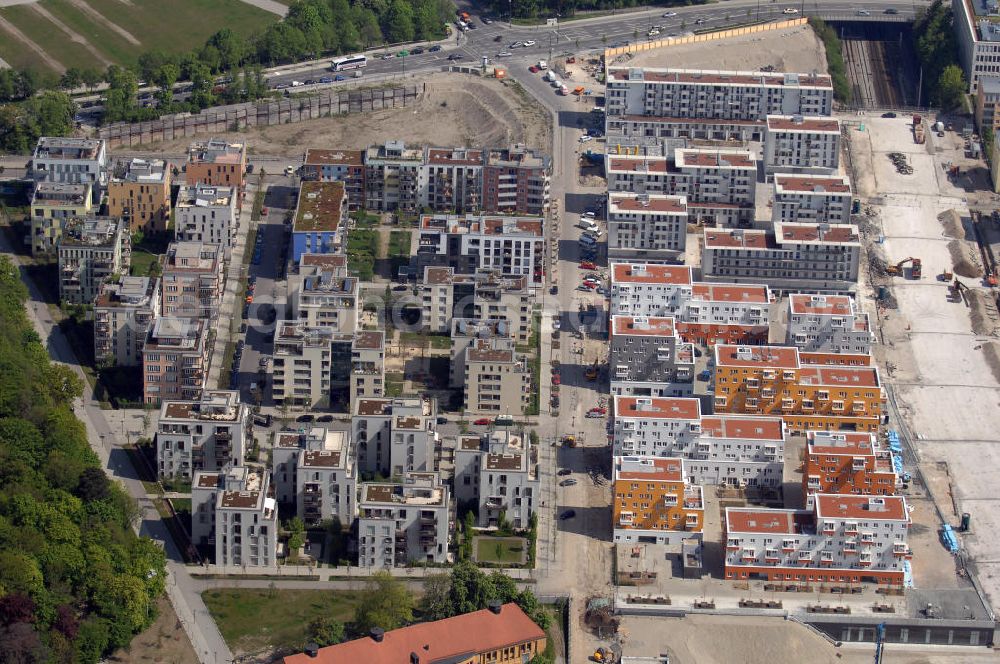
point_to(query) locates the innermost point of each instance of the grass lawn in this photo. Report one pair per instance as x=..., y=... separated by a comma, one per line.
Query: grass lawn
x=393, y=384
x=141, y=262
x=173, y=27
x=502, y=550
x=251, y=620
x=417, y=339
x=399, y=243
x=43, y=32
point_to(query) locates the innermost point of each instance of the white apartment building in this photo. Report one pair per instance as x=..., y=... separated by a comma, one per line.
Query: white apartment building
x=828, y=323
x=648, y=289
x=123, y=313
x=316, y=471
x=498, y=471
x=208, y=434
x=647, y=225
x=91, y=250
x=235, y=517
x=192, y=281
x=731, y=450
x=367, y=365
x=719, y=184
x=635, y=92
x=394, y=177
x=978, y=36
x=822, y=257
x=322, y=295
x=485, y=295
x=303, y=362
x=801, y=144
x=511, y=246
x=206, y=213
x=71, y=161
x=497, y=379
x=648, y=357
x=844, y=539
x=812, y=199
x=395, y=436
x=404, y=522
x=465, y=332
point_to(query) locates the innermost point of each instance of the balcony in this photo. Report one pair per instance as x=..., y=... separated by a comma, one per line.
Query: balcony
x=748, y=556
x=734, y=544
x=902, y=551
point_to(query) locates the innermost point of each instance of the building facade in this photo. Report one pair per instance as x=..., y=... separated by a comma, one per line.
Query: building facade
x=206, y=214
x=303, y=362
x=829, y=323
x=217, y=163
x=978, y=38
x=510, y=246
x=806, y=257
x=139, y=193
x=347, y=166
x=647, y=350
x=654, y=503
x=516, y=180
x=812, y=199
x=193, y=281
x=323, y=295
x=800, y=144
x=91, y=250
x=771, y=380
x=497, y=379
x=400, y=523
x=395, y=436
x=52, y=204
x=208, y=434
x=498, y=472
x=316, y=471
x=318, y=222
x=71, y=161
x=123, y=313
x=848, y=462
x=647, y=226
x=234, y=516
x=367, y=365
x=175, y=360
x=842, y=540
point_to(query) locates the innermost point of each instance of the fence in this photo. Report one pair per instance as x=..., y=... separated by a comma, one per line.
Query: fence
x=263, y=114
x=611, y=53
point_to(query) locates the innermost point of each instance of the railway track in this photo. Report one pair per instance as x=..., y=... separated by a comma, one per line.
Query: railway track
x=872, y=85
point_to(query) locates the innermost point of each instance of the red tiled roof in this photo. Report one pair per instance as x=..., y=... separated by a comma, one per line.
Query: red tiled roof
x=834, y=233
x=729, y=293
x=632, y=203
x=655, y=326
x=749, y=239
x=777, y=357
x=839, y=376
x=749, y=520
x=802, y=303
x=441, y=640
x=664, y=408
x=721, y=77
x=802, y=123
x=650, y=273
x=870, y=508
x=660, y=469
x=809, y=184
x=743, y=427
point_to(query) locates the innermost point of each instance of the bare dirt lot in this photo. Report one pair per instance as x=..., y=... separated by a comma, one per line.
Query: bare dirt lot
x=165, y=641
x=792, y=50
x=456, y=110
x=746, y=639
x=940, y=351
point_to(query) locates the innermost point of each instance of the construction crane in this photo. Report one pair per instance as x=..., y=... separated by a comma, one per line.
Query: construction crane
x=879, y=642
x=916, y=269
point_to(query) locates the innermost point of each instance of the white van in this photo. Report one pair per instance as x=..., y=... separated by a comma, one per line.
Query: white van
x=588, y=224
x=543, y=65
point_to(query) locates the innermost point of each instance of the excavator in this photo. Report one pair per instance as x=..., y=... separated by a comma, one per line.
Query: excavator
x=916, y=269
x=958, y=292
x=591, y=373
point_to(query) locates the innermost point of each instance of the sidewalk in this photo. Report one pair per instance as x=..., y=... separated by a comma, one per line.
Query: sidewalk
x=334, y=573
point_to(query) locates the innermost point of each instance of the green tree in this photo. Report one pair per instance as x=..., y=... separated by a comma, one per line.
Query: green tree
x=231, y=48
x=165, y=77
x=71, y=79
x=951, y=88
x=325, y=631
x=399, y=23
x=297, y=533
x=368, y=27
x=90, y=77
x=385, y=603
x=202, y=83
x=435, y=601
x=120, y=97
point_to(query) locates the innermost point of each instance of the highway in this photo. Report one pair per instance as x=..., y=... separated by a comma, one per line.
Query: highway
x=574, y=36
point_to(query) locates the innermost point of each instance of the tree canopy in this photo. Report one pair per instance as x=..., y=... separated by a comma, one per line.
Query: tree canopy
x=75, y=580
x=934, y=38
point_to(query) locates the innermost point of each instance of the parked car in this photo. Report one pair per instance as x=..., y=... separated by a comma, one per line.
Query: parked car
x=554, y=290
x=339, y=77
x=442, y=420
x=304, y=418
x=455, y=56
x=569, y=482
x=556, y=325
x=600, y=410
x=592, y=415
x=588, y=265
x=529, y=43
x=434, y=49
x=416, y=51
x=556, y=380
x=533, y=69
x=504, y=54
x=586, y=138
x=669, y=14
x=325, y=418
x=889, y=114
x=402, y=54
x=568, y=514
x=482, y=422
x=564, y=471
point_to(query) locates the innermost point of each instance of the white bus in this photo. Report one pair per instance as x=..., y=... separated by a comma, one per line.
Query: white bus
x=348, y=62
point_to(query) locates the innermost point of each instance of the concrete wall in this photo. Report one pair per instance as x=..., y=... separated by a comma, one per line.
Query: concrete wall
x=262, y=114
x=611, y=53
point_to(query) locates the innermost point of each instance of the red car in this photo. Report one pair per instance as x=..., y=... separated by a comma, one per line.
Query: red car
x=599, y=410
x=555, y=379
x=482, y=422
x=590, y=285
x=533, y=69
x=588, y=265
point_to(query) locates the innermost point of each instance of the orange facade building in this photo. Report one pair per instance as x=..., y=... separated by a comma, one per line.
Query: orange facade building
x=847, y=462
x=141, y=194
x=218, y=163
x=772, y=380
x=653, y=504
